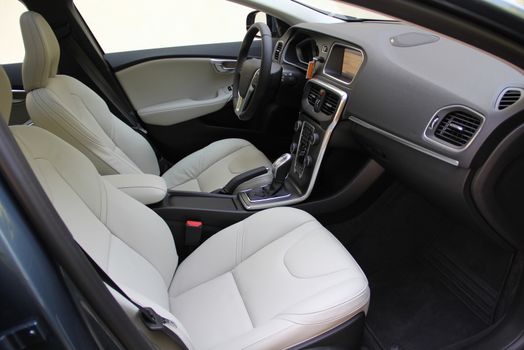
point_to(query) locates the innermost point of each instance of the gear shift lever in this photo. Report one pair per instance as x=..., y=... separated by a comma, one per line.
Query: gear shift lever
x=280, y=169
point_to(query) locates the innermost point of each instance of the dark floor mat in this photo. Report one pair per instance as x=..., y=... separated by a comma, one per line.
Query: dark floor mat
x=433, y=282
x=411, y=308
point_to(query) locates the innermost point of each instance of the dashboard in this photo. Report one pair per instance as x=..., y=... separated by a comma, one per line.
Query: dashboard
x=426, y=107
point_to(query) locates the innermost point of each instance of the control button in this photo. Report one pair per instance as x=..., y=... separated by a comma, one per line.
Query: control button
x=314, y=139
x=293, y=147
x=308, y=161
x=298, y=125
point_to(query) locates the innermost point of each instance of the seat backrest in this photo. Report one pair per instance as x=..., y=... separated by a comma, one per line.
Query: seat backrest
x=129, y=241
x=71, y=110
x=124, y=237
x=6, y=97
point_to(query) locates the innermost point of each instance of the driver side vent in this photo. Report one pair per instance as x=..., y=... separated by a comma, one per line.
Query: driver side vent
x=322, y=100
x=458, y=128
x=278, y=50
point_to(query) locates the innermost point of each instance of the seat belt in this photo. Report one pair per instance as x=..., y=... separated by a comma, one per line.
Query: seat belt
x=153, y=321
x=99, y=80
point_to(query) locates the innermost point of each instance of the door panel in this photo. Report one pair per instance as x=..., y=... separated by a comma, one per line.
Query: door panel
x=182, y=78
x=173, y=90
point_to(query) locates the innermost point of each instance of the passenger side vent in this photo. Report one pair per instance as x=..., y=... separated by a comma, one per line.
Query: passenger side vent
x=278, y=50
x=458, y=128
x=508, y=97
x=322, y=100
x=330, y=103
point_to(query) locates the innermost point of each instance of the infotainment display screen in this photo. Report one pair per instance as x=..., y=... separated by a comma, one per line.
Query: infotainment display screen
x=350, y=63
x=343, y=63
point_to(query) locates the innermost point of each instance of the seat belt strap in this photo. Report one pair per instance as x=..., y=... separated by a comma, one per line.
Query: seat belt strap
x=152, y=320
x=99, y=80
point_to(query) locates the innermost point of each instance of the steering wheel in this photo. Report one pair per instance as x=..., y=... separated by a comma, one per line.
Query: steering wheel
x=252, y=76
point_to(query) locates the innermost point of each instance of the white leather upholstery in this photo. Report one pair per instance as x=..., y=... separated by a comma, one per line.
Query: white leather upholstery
x=75, y=113
x=145, y=188
x=274, y=280
x=6, y=98
x=213, y=166
x=271, y=281
x=42, y=52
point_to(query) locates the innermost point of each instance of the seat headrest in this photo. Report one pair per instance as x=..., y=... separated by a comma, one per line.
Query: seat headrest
x=6, y=96
x=42, y=52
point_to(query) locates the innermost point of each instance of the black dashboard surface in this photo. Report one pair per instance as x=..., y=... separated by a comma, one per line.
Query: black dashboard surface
x=407, y=76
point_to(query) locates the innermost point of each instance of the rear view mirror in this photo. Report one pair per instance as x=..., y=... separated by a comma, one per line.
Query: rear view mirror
x=255, y=16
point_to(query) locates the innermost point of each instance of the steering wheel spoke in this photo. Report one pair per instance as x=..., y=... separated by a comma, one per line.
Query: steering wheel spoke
x=243, y=102
x=252, y=76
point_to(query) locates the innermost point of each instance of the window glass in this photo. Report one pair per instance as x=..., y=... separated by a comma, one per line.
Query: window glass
x=123, y=25
x=11, y=44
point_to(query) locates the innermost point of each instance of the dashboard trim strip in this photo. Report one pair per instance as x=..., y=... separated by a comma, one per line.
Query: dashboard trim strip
x=405, y=142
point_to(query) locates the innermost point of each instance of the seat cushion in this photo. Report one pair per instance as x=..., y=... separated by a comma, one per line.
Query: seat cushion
x=273, y=280
x=211, y=167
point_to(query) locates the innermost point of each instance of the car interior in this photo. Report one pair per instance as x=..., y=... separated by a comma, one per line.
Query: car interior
x=330, y=182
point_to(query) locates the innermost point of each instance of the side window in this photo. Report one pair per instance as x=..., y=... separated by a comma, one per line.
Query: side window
x=11, y=45
x=123, y=25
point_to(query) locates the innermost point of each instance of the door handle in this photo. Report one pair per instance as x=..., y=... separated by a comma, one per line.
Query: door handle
x=224, y=65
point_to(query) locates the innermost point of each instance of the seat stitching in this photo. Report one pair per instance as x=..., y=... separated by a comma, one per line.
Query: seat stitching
x=242, y=298
x=40, y=102
x=61, y=109
x=236, y=265
x=83, y=131
x=237, y=245
x=180, y=184
x=222, y=157
x=107, y=227
x=304, y=236
x=36, y=158
x=33, y=29
x=243, y=241
x=106, y=206
x=200, y=161
x=276, y=239
x=353, y=298
x=28, y=150
x=284, y=330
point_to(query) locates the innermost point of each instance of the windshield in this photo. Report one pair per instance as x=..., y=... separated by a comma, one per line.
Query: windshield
x=516, y=7
x=342, y=10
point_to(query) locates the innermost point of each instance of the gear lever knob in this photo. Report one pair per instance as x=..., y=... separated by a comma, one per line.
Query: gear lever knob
x=280, y=167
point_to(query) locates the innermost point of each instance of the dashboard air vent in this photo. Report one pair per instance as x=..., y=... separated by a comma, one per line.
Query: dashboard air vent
x=330, y=103
x=322, y=100
x=278, y=50
x=458, y=128
x=314, y=94
x=509, y=97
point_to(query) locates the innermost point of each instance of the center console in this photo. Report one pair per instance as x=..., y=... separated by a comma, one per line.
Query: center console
x=322, y=107
x=294, y=173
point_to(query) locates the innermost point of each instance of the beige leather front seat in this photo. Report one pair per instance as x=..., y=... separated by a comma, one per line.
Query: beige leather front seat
x=69, y=109
x=271, y=281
